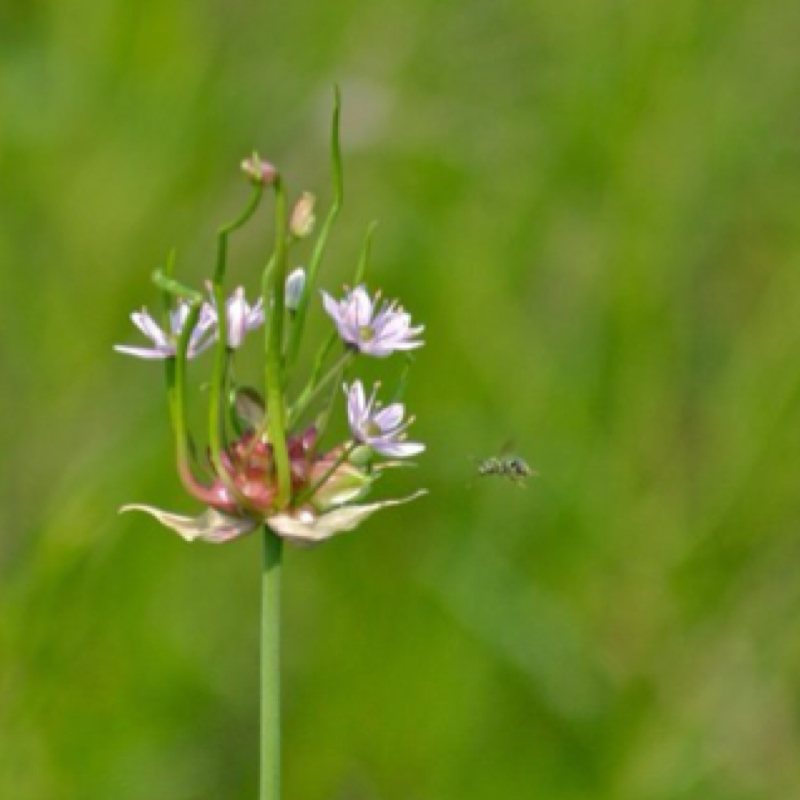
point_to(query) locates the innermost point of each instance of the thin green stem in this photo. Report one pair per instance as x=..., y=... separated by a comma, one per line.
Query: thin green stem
x=312, y=390
x=322, y=239
x=274, y=378
x=179, y=398
x=216, y=419
x=166, y=324
x=363, y=259
x=270, y=780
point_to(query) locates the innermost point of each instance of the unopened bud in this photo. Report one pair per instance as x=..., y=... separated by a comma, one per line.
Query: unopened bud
x=259, y=172
x=302, y=221
x=362, y=456
x=295, y=285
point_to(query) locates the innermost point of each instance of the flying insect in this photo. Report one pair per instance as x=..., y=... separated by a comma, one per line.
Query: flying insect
x=506, y=465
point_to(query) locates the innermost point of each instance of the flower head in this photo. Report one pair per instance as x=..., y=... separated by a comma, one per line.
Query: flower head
x=246, y=499
x=382, y=429
x=242, y=317
x=165, y=343
x=371, y=327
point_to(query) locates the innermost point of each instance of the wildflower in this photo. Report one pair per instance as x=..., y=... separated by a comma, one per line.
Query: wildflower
x=259, y=172
x=165, y=344
x=301, y=223
x=369, y=328
x=242, y=317
x=380, y=428
x=295, y=285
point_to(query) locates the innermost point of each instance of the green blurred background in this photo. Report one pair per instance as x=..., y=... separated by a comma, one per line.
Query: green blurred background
x=594, y=209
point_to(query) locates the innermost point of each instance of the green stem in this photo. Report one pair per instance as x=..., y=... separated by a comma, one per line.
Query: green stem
x=274, y=378
x=270, y=781
x=216, y=424
x=322, y=240
x=313, y=389
x=177, y=376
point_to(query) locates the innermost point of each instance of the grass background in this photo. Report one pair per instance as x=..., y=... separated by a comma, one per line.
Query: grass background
x=593, y=207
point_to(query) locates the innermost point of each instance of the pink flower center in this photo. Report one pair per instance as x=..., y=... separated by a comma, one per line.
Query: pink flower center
x=365, y=333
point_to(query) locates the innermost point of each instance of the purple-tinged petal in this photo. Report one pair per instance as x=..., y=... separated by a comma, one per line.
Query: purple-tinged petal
x=144, y=352
x=331, y=305
x=237, y=318
x=145, y=323
x=399, y=449
x=404, y=345
x=355, y=403
x=211, y=526
x=361, y=306
x=391, y=416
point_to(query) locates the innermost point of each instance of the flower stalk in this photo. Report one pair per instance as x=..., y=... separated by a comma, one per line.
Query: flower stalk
x=270, y=766
x=261, y=467
x=274, y=381
x=216, y=420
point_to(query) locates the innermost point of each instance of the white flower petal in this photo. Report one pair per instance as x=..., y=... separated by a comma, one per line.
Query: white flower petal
x=144, y=352
x=399, y=449
x=355, y=404
x=361, y=307
x=211, y=526
x=147, y=325
x=306, y=528
x=331, y=306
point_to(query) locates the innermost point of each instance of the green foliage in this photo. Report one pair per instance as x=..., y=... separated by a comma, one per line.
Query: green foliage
x=593, y=207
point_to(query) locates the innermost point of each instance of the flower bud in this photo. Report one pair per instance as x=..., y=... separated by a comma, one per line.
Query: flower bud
x=362, y=456
x=295, y=285
x=259, y=172
x=302, y=220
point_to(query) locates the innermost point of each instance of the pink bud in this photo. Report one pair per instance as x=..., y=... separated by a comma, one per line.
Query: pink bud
x=259, y=172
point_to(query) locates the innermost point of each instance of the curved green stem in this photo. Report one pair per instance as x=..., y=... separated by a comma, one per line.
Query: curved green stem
x=216, y=418
x=322, y=239
x=313, y=389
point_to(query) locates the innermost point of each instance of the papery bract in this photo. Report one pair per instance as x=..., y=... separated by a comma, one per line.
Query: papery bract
x=303, y=526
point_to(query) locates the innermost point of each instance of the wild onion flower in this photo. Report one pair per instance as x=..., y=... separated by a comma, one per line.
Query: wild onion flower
x=370, y=327
x=242, y=317
x=260, y=464
x=382, y=429
x=165, y=344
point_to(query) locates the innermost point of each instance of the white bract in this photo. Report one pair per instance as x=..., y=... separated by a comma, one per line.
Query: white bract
x=303, y=526
x=371, y=327
x=382, y=429
x=165, y=344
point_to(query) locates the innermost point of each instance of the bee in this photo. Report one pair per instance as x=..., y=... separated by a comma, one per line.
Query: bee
x=506, y=465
